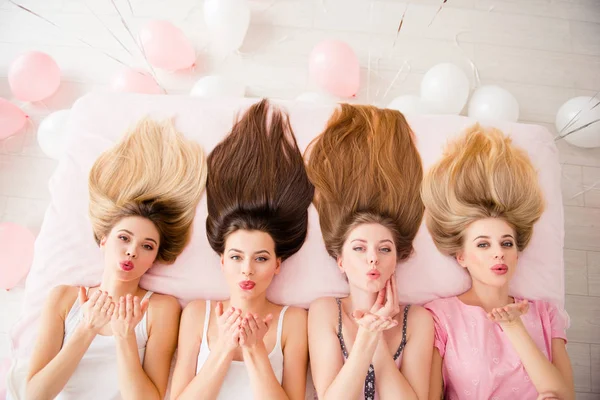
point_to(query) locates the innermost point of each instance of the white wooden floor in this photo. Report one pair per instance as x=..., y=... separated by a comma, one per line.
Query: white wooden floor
x=543, y=51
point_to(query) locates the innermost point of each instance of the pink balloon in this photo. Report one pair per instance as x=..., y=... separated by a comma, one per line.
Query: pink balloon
x=135, y=81
x=16, y=254
x=166, y=46
x=33, y=76
x=333, y=65
x=12, y=119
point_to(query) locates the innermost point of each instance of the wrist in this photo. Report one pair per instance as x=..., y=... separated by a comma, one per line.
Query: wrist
x=85, y=331
x=367, y=337
x=254, y=349
x=512, y=326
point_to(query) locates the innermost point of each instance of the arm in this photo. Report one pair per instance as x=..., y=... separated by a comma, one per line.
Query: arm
x=546, y=376
x=436, y=385
x=333, y=378
x=53, y=364
x=295, y=353
x=207, y=383
x=150, y=380
x=412, y=380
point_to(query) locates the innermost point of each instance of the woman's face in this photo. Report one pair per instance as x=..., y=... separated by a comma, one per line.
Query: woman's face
x=131, y=247
x=489, y=252
x=249, y=262
x=368, y=257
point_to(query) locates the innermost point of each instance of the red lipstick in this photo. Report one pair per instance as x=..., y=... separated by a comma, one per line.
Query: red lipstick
x=500, y=269
x=126, y=265
x=247, y=285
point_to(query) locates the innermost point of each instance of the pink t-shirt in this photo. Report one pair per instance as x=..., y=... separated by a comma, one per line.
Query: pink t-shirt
x=478, y=360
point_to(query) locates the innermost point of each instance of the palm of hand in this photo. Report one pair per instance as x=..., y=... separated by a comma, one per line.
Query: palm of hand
x=509, y=314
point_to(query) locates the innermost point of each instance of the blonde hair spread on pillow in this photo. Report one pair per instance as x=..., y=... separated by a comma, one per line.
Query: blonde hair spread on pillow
x=366, y=169
x=481, y=175
x=156, y=173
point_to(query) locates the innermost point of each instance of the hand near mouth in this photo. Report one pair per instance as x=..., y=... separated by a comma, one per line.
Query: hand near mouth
x=386, y=304
x=228, y=322
x=509, y=314
x=373, y=322
x=129, y=311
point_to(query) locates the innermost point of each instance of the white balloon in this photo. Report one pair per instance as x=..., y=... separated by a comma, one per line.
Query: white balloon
x=576, y=113
x=227, y=22
x=315, y=97
x=51, y=134
x=493, y=102
x=408, y=104
x=218, y=86
x=446, y=88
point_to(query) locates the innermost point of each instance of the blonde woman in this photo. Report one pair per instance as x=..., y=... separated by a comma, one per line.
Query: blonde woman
x=116, y=340
x=483, y=200
x=367, y=172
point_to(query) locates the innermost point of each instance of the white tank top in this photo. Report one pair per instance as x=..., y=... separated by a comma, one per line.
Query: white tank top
x=236, y=384
x=96, y=375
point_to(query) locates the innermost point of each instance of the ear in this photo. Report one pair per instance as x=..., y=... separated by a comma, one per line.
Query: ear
x=103, y=241
x=460, y=258
x=278, y=266
x=222, y=261
x=340, y=264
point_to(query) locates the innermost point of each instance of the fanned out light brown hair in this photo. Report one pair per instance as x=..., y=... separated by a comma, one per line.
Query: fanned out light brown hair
x=153, y=172
x=366, y=169
x=257, y=181
x=481, y=175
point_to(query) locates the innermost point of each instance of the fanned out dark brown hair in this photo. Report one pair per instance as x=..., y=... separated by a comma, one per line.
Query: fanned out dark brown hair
x=257, y=181
x=366, y=169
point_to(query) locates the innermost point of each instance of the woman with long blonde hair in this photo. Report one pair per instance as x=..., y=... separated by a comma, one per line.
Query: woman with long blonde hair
x=482, y=201
x=367, y=172
x=116, y=340
x=258, y=193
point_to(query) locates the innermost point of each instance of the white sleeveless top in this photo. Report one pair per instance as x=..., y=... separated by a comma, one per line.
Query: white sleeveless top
x=96, y=375
x=236, y=384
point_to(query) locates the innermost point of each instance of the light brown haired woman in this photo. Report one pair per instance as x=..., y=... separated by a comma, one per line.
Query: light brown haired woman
x=483, y=200
x=367, y=173
x=116, y=340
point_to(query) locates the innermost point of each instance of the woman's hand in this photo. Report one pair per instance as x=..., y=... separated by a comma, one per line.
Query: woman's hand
x=97, y=310
x=228, y=323
x=373, y=322
x=386, y=304
x=253, y=329
x=129, y=313
x=509, y=314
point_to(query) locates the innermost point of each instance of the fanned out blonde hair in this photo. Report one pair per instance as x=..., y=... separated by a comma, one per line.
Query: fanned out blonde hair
x=152, y=172
x=366, y=169
x=481, y=175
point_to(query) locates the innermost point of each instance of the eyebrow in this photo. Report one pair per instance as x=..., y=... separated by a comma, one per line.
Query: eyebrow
x=364, y=241
x=487, y=237
x=131, y=233
x=256, y=252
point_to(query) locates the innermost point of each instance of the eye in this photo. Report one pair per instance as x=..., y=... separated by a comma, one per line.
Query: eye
x=123, y=238
x=236, y=258
x=483, y=245
x=148, y=247
x=261, y=259
x=385, y=249
x=358, y=248
x=508, y=243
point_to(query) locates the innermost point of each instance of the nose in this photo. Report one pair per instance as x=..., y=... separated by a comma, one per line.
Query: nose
x=247, y=268
x=373, y=259
x=499, y=254
x=131, y=252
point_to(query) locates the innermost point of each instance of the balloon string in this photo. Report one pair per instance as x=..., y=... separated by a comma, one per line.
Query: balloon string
x=472, y=64
x=405, y=64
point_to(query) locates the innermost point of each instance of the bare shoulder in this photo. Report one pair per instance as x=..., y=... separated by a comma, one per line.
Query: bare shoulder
x=195, y=308
x=419, y=320
x=295, y=317
x=164, y=302
x=323, y=306
x=61, y=298
x=192, y=318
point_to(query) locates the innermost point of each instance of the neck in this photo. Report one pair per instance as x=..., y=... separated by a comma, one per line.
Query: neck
x=361, y=299
x=117, y=288
x=489, y=297
x=258, y=304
